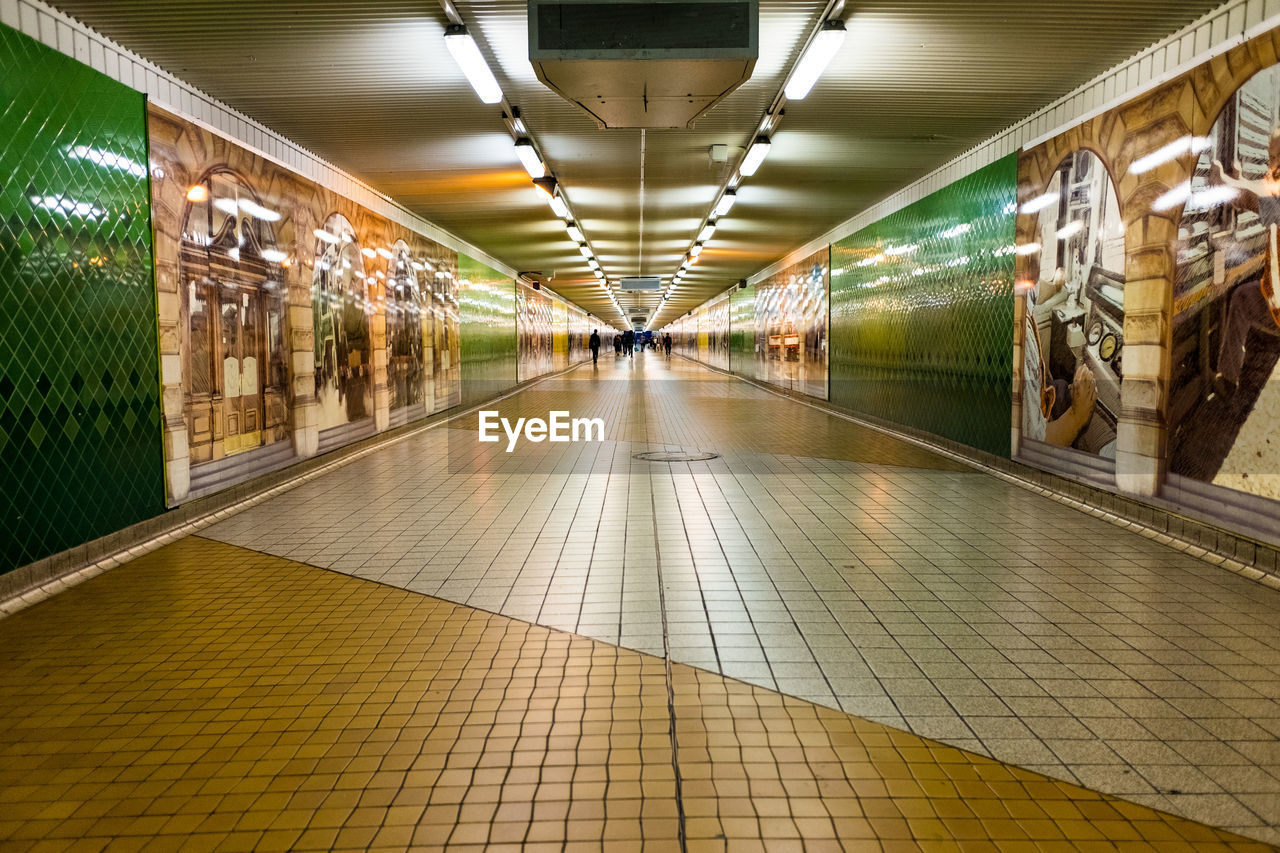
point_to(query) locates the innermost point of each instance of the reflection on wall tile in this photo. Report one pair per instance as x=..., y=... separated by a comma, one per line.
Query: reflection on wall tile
x=922, y=312
x=487, y=305
x=79, y=387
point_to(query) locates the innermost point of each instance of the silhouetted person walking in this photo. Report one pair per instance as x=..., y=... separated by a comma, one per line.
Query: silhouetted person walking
x=666, y=343
x=594, y=343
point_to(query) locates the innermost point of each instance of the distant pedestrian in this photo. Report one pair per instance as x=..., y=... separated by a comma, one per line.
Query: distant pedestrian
x=666, y=343
x=617, y=345
x=594, y=343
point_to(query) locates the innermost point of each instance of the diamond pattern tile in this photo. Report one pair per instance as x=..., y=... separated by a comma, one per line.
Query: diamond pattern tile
x=922, y=312
x=79, y=385
x=487, y=329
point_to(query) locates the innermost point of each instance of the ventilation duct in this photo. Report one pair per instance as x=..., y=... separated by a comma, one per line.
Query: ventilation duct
x=644, y=63
x=645, y=282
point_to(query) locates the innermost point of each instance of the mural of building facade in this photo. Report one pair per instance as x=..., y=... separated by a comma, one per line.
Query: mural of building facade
x=79, y=378
x=552, y=333
x=292, y=320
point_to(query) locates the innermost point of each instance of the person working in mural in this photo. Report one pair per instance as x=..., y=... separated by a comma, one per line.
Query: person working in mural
x=1254, y=305
x=1223, y=400
x=1074, y=310
x=1053, y=411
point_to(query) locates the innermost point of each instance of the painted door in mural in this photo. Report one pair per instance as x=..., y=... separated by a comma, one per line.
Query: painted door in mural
x=234, y=304
x=242, y=389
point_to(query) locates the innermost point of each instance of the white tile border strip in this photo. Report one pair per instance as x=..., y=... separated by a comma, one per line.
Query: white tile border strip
x=72, y=38
x=1215, y=33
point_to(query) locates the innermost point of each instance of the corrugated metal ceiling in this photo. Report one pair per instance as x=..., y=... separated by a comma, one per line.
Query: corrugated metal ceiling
x=370, y=86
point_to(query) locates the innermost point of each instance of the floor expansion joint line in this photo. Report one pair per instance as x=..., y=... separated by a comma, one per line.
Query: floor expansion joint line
x=666, y=662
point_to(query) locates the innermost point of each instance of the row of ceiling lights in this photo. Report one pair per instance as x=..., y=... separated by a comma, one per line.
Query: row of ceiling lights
x=822, y=48
x=467, y=54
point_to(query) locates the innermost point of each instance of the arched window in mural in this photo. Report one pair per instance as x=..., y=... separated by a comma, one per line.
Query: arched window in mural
x=1226, y=299
x=406, y=372
x=1075, y=313
x=234, y=303
x=341, y=309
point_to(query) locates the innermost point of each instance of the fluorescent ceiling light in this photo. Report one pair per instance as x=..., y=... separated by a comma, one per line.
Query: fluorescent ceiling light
x=558, y=207
x=726, y=203
x=575, y=233
x=585, y=250
x=599, y=274
x=467, y=54
x=755, y=156
x=696, y=250
x=825, y=45
x=529, y=157
x=593, y=263
x=707, y=230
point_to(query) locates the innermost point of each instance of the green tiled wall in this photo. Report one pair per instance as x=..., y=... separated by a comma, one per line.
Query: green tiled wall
x=487, y=330
x=742, y=331
x=922, y=312
x=80, y=441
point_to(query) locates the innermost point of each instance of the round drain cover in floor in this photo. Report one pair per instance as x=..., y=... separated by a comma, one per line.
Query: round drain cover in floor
x=673, y=456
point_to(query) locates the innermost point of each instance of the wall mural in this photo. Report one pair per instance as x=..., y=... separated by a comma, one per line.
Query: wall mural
x=292, y=320
x=1149, y=331
x=742, y=330
x=791, y=313
x=552, y=334
x=1074, y=305
x=1224, y=399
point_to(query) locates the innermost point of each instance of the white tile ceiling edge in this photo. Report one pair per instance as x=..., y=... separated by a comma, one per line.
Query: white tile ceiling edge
x=1232, y=23
x=66, y=35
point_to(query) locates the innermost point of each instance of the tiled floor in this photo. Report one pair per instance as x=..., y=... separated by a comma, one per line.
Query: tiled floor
x=207, y=697
x=835, y=565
